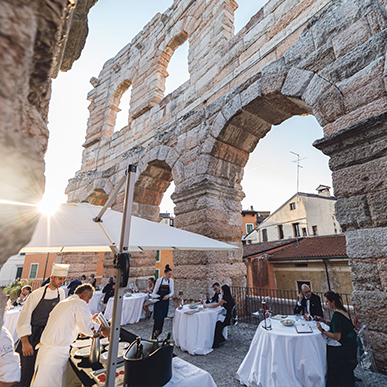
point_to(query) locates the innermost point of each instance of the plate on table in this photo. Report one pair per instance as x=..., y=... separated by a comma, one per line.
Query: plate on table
x=193, y=306
x=121, y=346
x=288, y=322
x=81, y=343
x=83, y=352
x=104, y=357
x=154, y=295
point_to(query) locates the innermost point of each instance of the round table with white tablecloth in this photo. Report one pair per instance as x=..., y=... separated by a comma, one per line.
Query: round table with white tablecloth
x=281, y=357
x=95, y=302
x=132, y=308
x=195, y=332
x=10, y=320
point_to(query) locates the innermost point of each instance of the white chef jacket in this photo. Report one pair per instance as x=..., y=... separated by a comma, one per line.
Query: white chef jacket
x=67, y=319
x=23, y=326
x=164, y=282
x=9, y=360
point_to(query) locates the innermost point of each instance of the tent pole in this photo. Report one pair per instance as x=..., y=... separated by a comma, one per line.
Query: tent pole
x=118, y=291
x=111, y=197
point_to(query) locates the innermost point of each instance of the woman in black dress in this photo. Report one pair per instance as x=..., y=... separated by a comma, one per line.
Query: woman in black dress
x=342, y=360
x=228, y=303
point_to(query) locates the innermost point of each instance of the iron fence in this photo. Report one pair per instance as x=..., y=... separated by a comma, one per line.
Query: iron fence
x=279, y=301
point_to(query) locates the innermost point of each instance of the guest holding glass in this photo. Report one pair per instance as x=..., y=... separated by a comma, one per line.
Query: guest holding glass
x=164, y=288
x=227, y=302
x=341, y=359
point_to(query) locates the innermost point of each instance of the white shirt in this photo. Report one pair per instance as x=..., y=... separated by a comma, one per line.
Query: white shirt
x=23, y=327
x=9, y=360
x=164, y=282
x=67, y=319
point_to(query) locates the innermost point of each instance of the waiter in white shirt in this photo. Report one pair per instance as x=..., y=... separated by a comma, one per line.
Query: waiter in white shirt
x=69, y=318
x=9, y=360
x=33, y=318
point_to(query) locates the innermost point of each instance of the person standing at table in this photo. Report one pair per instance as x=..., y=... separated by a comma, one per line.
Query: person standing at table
x=308, y=303
x=33, y=318
x=69, y=318
x=218, y=293
x=164, y=288
x=342, y=360
x=227, y=301
x=9, y=360
x=93, y=280
x=149, y=290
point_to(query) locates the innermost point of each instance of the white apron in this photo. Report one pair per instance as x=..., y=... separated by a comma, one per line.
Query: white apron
x=51, y=366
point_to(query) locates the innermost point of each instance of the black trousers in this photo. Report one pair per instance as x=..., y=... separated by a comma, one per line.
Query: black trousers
x=158, y=325
x=219, y=338
x=27, y=367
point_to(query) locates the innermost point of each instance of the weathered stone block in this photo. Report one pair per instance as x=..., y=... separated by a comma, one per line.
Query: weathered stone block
x=353, y=213
x=315, y=89
x=376, y=20
x=319, y=58
x=296, y=82
x=329, y=107
x=300, y=51
x=367, y=243
x=365, y=274
x=355, y=35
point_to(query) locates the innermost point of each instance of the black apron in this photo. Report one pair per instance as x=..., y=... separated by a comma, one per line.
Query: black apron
x=39, y=319
x=160, y=309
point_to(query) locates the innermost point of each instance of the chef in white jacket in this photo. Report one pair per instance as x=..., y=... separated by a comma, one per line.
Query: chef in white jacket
x=33, y=318
x=9, y=360
x=69, y=318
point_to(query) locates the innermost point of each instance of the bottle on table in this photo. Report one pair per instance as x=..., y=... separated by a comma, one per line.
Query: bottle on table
x=95, y=349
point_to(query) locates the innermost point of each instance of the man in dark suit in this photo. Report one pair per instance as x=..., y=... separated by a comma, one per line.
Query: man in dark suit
x=73, y=285
x=108, y=290
x=218, y=294
x=308, y=303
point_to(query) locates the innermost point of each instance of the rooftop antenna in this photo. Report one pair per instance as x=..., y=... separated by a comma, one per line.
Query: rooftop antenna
x=298, y=167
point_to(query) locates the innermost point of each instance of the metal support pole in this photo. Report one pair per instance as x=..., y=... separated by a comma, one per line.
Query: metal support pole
x=118, y=292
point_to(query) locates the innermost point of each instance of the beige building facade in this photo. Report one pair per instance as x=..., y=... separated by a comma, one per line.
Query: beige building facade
x=303, y=215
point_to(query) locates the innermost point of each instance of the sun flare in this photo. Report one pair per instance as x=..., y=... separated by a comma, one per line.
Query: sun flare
x=48, y=207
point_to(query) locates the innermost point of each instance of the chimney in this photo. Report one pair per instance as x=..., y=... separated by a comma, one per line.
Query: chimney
x=251, y=208
x=323, y=190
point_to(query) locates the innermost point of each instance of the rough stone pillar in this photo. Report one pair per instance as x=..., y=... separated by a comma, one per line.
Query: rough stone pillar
x=214, y=211
x=359, y=165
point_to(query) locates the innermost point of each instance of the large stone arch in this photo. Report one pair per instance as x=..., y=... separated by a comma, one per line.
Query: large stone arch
x=202, y=136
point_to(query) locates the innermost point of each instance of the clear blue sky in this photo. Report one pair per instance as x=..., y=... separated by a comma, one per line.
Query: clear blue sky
x=270, y=174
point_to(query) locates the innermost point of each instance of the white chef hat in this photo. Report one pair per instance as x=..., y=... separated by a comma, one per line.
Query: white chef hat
x=60, y=270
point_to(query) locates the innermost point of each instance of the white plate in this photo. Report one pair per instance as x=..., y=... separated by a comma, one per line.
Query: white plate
x=104, y=357
x=152, y=301
x=121, y=346
x=154, y=295
x=193, y=306
x=81, y=343
x=104, y=341
x=84, y=352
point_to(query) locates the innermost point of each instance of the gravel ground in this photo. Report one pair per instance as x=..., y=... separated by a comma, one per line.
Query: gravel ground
x=223, y=363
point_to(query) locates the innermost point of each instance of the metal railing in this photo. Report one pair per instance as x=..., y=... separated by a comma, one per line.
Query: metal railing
x=279, y=301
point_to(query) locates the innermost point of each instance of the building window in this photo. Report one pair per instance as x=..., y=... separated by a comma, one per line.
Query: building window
x=264, y=235
x=280, y=232
x=314, y=229
x=33, y=270
x=304, y=233
x=158, y=256
x=296, y=230
x=292, y=206
x=19, y=271
x=249, y=228
x=157, y=273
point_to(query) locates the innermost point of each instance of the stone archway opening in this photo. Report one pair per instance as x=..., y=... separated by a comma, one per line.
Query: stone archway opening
x=123, y=117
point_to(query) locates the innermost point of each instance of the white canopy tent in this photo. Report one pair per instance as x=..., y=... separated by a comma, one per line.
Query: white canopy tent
x=72, y=229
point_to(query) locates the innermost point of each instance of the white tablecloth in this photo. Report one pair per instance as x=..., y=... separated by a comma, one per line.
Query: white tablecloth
x=284, y=358
x=187, y=375
x=132, y=309
x=10, y=321
x=94, y=303
x=195, y=333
